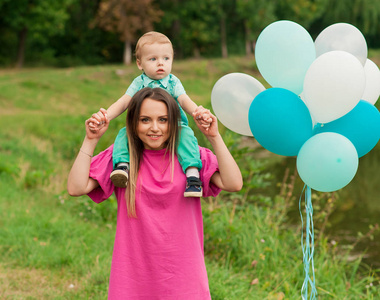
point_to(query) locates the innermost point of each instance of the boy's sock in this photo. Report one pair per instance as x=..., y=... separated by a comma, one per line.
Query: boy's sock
x=192, y=172
x=193, y=183
x=120, y=175
x=122, y=164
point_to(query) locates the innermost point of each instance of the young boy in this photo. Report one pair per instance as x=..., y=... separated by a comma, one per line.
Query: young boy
x=154, y=57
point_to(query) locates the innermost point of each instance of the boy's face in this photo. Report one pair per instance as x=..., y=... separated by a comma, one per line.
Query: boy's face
x=156, y=60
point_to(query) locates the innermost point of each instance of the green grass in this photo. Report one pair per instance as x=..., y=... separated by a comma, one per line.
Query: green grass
x=57, y=247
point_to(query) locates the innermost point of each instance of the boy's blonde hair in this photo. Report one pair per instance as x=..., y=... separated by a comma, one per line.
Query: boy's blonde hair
x=151, y=38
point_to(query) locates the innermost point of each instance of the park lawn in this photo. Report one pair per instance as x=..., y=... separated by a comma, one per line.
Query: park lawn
x=55, y=246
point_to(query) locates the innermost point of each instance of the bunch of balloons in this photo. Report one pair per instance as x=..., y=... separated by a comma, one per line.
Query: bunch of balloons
x=320, y=106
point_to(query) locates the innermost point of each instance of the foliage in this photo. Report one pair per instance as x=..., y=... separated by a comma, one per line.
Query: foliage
x=41, y=19
x=263, y=259
x=81, y=44
x=55, y=246
x=364, y=14
x=198, y=22
x=304, y=12
x=127, y=17
x=78, y=32
x=254, y=23
x=255, y=242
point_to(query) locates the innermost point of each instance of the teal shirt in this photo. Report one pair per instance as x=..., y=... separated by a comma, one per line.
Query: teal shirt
x=188, y=150
x=170, y=83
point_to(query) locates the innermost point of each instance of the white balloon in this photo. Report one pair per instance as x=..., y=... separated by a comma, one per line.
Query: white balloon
x=342, y=36
x=372, y=86
x=333, y=85
x=231, y=98
x=302, y=96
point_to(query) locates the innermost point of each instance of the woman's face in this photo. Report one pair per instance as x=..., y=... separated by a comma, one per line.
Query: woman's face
x=153, y=125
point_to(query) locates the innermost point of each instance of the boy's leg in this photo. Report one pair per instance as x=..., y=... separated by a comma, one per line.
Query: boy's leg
x=120, y=159
x=189, y=158
x=120, y=152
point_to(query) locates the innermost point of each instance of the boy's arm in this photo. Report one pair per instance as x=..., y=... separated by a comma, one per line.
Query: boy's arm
x=118, y=107
x=113, y=111
x=190, y=107
x=187, y=104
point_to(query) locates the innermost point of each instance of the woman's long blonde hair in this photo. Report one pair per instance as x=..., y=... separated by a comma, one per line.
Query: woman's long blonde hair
x=136, y=147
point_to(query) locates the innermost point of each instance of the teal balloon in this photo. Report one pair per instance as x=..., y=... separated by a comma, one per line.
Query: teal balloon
x=280, y=121
x=327, y=162
x=361, y=126
x=284, y=51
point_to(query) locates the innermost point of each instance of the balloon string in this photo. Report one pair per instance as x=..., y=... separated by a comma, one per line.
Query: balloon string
x=308, y=246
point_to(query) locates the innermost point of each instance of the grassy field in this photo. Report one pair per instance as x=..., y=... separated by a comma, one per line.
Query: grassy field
x=54, y=246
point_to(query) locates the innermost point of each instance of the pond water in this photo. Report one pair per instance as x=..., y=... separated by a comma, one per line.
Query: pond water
x=356, y=209
x=360, y=207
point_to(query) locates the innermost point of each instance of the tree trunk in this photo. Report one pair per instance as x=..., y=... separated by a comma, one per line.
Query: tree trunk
x=127, y=53
x=21, y=47
x=223, y=36
x=175, y=32
x=196, y=52
x=248, y=44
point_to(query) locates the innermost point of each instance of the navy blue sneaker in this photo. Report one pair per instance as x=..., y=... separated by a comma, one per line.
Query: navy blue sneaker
x=193, y=187
x=120, y=176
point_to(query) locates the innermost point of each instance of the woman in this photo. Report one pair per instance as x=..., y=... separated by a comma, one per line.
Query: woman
x=158, y=250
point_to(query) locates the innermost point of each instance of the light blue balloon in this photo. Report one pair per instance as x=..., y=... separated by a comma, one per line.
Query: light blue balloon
x=280, y=121
x=361, y=126
x=284, y=51
x=327, y=162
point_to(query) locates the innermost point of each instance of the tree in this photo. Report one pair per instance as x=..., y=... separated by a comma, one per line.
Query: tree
x=80, y=44
x=170, y=23
x=199, y=24
x=38, y=18
x=256, y=15
x=364, y=14
x=226, y=8
x=128, y=18
x=305, y=12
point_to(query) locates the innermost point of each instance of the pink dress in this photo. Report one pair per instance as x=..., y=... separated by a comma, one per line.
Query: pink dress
x=160, y=254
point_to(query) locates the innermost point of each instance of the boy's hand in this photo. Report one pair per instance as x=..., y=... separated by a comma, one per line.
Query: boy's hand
x=100, y=128
x=206, y=122
x=96, y=122
x=203, y=116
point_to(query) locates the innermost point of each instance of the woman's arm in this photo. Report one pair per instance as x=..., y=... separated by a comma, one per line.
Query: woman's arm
x=229, y=176
x=79, y=182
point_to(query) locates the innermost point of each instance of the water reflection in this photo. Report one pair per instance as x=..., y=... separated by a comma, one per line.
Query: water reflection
x=362, y=207
x=357, y=207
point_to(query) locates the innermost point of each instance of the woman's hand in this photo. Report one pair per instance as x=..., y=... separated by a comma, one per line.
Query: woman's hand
x=97, y=120
x=102, y=121
x=206, y=122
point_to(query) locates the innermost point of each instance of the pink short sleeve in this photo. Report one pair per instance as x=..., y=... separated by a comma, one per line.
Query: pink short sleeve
x=102, y=166
x=209, y=167
x=100, y=170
